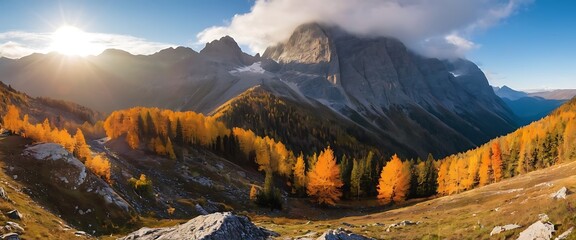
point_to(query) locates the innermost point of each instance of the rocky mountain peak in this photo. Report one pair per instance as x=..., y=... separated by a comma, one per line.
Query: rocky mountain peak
x=115, y=52
x=308, y=44
x=226, y=50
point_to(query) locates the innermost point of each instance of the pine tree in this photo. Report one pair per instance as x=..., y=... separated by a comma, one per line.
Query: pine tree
x=345, y=173
x=324, y=181
x=179, y=139
x=355, y=178
x=431, y=176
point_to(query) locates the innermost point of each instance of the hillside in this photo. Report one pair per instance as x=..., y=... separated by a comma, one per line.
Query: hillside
x=60, y=113
x=37, y=222
x=303, y=128
x=469, y=215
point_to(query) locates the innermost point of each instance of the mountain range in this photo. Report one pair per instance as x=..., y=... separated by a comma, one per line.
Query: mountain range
x=403, y=102
x=282, y=113
x=533, y=106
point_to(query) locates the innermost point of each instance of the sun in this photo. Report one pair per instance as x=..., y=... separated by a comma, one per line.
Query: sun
x=72, y=41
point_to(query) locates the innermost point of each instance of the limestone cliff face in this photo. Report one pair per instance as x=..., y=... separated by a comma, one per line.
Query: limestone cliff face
x=378, y=77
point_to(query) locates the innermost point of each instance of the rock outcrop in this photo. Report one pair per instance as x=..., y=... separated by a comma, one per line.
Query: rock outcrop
x=560, y=194
x=538, y=230
x=216, y=226
x=341, y=234
x=499, y=229
x=565, y=234
x=401, y=224
x=4, y=195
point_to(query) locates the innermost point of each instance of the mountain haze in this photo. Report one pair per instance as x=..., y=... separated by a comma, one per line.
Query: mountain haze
x=530, y=107
x=377, y=85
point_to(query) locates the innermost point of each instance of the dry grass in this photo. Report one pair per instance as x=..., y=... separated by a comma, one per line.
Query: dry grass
x=469, y=215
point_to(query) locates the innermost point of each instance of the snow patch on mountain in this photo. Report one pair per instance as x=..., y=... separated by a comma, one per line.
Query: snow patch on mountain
x=255, y=68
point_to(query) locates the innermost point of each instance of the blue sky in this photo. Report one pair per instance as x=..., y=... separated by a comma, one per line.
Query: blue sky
x=527, y=44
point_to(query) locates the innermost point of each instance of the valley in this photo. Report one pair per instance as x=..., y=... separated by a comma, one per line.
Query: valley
x=292, y=119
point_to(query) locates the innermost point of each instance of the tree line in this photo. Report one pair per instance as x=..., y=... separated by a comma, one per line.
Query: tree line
x=45, y=132
x=321, y=176
x=549, y=141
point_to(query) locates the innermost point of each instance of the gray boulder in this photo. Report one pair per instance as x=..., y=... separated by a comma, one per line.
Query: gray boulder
x=341, y=234
x=14, y=227
x=565, y=235
x=560, y=194
x=538, y=230
x=215, y=226
x=401, y=224
x=499, y=229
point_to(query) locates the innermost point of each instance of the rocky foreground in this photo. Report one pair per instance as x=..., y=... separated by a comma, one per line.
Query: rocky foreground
x=225, y=226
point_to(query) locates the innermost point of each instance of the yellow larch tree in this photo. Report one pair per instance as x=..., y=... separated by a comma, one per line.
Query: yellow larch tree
x=299, y=172
x=443, y=177
x=324, y=181
x=394, y=183
x=81, y=149
x=99, y=165
x=132, y=139
x=484, y=175
x=12, y=120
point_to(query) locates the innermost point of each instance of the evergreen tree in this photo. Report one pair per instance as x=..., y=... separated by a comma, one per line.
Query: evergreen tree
x=356, y=178
x=179, y=138
x=345, y=173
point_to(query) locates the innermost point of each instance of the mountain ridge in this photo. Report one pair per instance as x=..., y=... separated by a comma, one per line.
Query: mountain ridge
x=376, y=83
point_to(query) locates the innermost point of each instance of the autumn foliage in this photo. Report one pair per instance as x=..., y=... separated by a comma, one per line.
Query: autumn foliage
x=324, y=180
x=44, y=132
x=541, y=144
x=394, y=183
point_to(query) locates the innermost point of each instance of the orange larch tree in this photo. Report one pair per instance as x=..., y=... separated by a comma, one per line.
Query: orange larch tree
x=12, y=120
x=496, y=161
x=324, y=181
x=100, y=166
x=81, y=149
x=394, y=183
x=443, y=177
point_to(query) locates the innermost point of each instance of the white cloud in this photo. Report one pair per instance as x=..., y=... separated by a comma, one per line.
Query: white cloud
x=17, y=44
x=434, y=27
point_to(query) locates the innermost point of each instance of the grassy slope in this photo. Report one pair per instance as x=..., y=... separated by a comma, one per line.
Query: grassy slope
x=38, y=222
x=469, y=215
